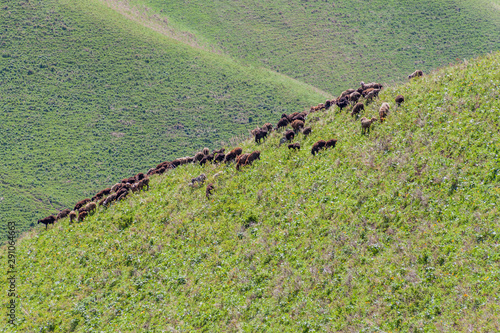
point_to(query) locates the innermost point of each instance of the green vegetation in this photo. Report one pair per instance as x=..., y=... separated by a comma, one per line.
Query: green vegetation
x=88, y=97
x=397, y=230
x=334, y=45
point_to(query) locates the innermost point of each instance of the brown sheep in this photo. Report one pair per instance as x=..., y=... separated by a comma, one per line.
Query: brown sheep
x=357, y=109
x=289, y=135
x=292, y=115
x=294, y=146
x=110, y=199
x=416, y=73
x=366, y=123
x=346, y=93
x=82, y=216
x=299, y=117
x=306, y=131
x=199, y=156
x=252, y=157
x=151, y=171
x=367, y=91
x=101, y=202
x=90, y=207
x=72, y=216
x=371, y=85
x=329, y=103
x=62, y=214
x=268, y=127
x=47, y=220
x=383, y=111
x=400, y=99
x=342, y=103
x=318, y=146
x=331, y=143
x=260, y=134
x=354, y=97
x=122, y=194
x=282, y=123
x=219, y=158
x=209, y=190
x=241, y=161
x=102, y=193
x=143, y=183
x=115, y=187
x=207, y=159
x=206, y=151
x=79, y=204
x=297, y=125
x=139, y=176
x=371, y=94
x=231, y=156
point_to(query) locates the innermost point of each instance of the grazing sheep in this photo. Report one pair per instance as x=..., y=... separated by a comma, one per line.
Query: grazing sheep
x=101, y=202
x=282, y=123
x=260, y=134
x=62, y=214
x=383, y=111
x=297, y=125
x=175, y=163
x=102, y=193
x=206, y=159
x=357, y=109
x=367, y=91
x=354, y=97
x=115, y=187
x=306, y=131
x=209, y=190
x=199, y=156
x=371, y=94
x=151, y=171
x=90, y=207
x=346, y=93
x=400, y=99
x=268, y=127
x=122, y=194
x=289, y=135
x=139, y=176
x=292, y=115
x=144, y=183
x=299, y=117
x=342, y=103
x=331, y=143
x=371, y=85
x=255, y=155
x=241, y=161
x=110, y=199
x=294, y=146
x=219, y=158
x=416, y=73
x=79, y=204
x=47, y=220
x=231, y=156
x=82, y=215
x=206, y=151
x=366, y=123
x=72, y=216
x=200, y=179
x=318, y=146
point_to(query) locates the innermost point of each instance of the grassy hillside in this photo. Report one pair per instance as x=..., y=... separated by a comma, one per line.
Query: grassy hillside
x=336, y=44
x=88, y=97
x=397, y=230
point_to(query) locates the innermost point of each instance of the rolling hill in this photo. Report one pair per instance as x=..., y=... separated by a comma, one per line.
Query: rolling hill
x=88, y=96
x=397, y=230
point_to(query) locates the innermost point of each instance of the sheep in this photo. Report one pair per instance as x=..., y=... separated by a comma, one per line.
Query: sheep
x=241, y=161
x=289, y=135
x=331, y=143
x=175, y=163
x=292, y=115
x=209, y=190
x=329, y=103
x=383, y=111
x=82, y=216
x=371, y=85
x=367, y=91
x=366, y=123
x=115, y=187
x=206, y=151
x=110, y=199
x=101, y=202
x=62, y=214
x=318, y=146
x=208, y=158
x=200, y=179
x=416, y=73
x=354, y=97
x=81, y=203
x=371, y=94
x=222, y=150
x=268, y=127
x=346, y=93
x=399, y=99
x=199, y=156
x=47, y=220
x=299, y=117
x=357, y=109
x=122, y=194
x=72, y=216
x=102, y=193
x=90, y=207
x=151, y=171
x=342, y=103
x=282, y=123
x=297, y=125
x=231, y=156
x=260, y=134
x=255, y=155
x=306, y=131
x=139, y=176
x=294, y=146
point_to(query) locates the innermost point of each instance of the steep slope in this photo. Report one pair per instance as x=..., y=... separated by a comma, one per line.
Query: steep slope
x=395, y=230
x=88, y=97
x=336, y=44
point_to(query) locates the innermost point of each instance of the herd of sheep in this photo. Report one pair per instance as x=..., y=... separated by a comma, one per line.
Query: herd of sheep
x=295, y=120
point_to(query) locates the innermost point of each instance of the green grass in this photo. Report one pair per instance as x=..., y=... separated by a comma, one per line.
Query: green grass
x=88, y=97
x=335, y=45
x=394, y=231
